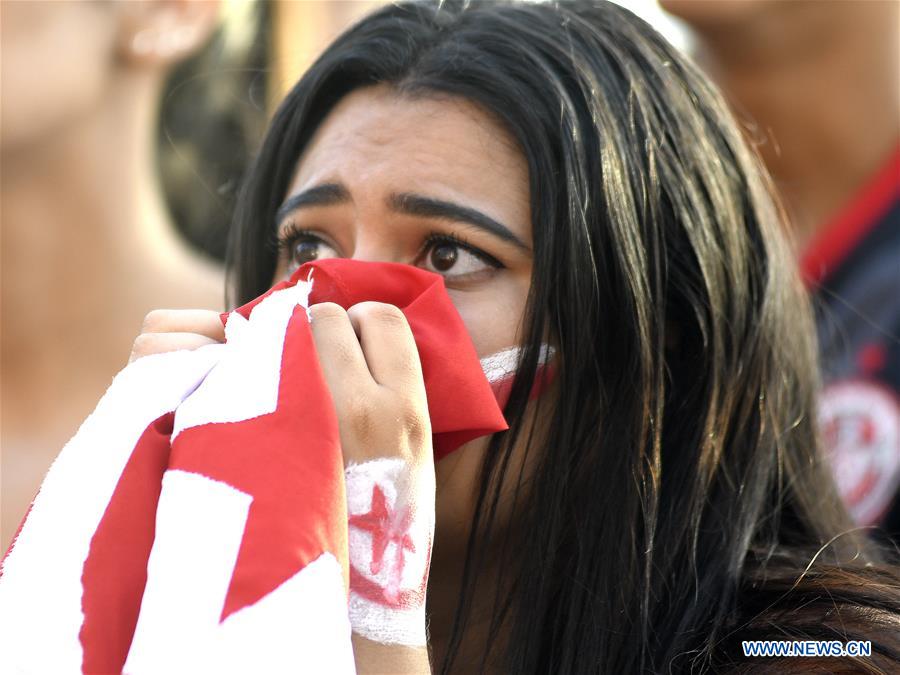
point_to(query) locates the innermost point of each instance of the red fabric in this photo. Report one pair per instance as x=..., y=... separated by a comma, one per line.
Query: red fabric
x=461, y=403
x=825, y=253
x=287, y=460
x=115, y=571
x=290, y=463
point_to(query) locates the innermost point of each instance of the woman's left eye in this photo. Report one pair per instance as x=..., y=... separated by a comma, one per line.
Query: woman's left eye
x=442, y=253
x=453, y=258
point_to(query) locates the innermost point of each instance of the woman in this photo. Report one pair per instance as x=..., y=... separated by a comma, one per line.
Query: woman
x=80, y=199
x=577, y=182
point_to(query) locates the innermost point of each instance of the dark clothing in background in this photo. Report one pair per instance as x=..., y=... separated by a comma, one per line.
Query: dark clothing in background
x=853, y=271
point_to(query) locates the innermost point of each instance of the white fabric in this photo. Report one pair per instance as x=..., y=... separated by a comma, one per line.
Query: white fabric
x=40, y=590
x=245, y=385
x=204, y=521
x=401, y=486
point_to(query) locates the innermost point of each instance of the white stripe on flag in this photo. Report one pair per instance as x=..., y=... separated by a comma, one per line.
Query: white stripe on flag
x=40, y=590
x=244, y=385
x=302, y=626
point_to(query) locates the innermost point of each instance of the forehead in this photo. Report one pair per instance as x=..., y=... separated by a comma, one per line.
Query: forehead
x=377, y=141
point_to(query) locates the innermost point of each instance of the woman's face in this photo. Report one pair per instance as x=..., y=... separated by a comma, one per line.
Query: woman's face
x=430, y=182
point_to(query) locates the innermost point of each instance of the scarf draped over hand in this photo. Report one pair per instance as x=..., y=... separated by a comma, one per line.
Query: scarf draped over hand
x=198, y=520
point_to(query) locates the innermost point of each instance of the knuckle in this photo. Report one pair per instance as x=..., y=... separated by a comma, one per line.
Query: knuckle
x=381, y=312
x=362, y=417
x=143, y=345
x=415, y=426
x=326, y=311
x=382, y=424
x=154, y=321
x=391, y=315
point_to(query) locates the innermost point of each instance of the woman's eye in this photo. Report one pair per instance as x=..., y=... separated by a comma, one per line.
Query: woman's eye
x=444, y=254
x=453, y=259
x=304, y=247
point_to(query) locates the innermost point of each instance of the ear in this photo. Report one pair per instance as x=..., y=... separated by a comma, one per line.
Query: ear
x=162, y=32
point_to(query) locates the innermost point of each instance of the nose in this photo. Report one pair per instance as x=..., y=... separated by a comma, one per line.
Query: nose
x=377, y=245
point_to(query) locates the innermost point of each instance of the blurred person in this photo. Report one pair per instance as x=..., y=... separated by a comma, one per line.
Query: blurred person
x=212, y=118
x=574, y=179
x=87, y=244
x=819, y=85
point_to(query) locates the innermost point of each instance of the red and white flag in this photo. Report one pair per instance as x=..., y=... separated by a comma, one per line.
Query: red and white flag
x=197, y=522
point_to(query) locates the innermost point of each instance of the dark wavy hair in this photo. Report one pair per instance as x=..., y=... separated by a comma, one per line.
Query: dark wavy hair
x=678, y=503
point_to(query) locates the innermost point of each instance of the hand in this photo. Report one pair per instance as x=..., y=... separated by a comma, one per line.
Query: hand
x=369, y=360
x=371, y=366
x=167, y=330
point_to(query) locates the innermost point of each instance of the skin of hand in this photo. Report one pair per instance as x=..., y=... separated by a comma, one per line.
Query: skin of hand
x=372, y=148
x=371, y=366
x=166, y=330
x=372, y=369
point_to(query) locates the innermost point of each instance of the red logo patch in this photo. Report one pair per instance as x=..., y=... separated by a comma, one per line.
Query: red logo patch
x=860, y=426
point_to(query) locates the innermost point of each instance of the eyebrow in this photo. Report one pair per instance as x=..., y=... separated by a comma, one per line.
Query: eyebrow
x=326, y=194
x=329, y=194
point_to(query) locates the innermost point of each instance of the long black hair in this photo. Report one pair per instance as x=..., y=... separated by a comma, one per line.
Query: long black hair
x=678, y=500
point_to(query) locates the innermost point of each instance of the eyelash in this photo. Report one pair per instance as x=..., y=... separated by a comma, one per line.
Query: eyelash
x=293, y=233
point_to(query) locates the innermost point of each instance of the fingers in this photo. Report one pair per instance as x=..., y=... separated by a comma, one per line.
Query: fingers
x=340, y=355
x=157, y=343
x=375, y=380
x=168, y=330
x=388, y=346
x=200, y=321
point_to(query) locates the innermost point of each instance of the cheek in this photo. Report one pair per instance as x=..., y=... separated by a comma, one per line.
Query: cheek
x=457, y=479
x=493, y=316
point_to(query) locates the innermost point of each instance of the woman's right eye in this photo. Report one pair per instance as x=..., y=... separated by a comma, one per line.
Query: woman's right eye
x=302, y=246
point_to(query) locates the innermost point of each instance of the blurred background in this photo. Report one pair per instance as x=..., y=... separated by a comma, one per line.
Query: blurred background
x=127, y=126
